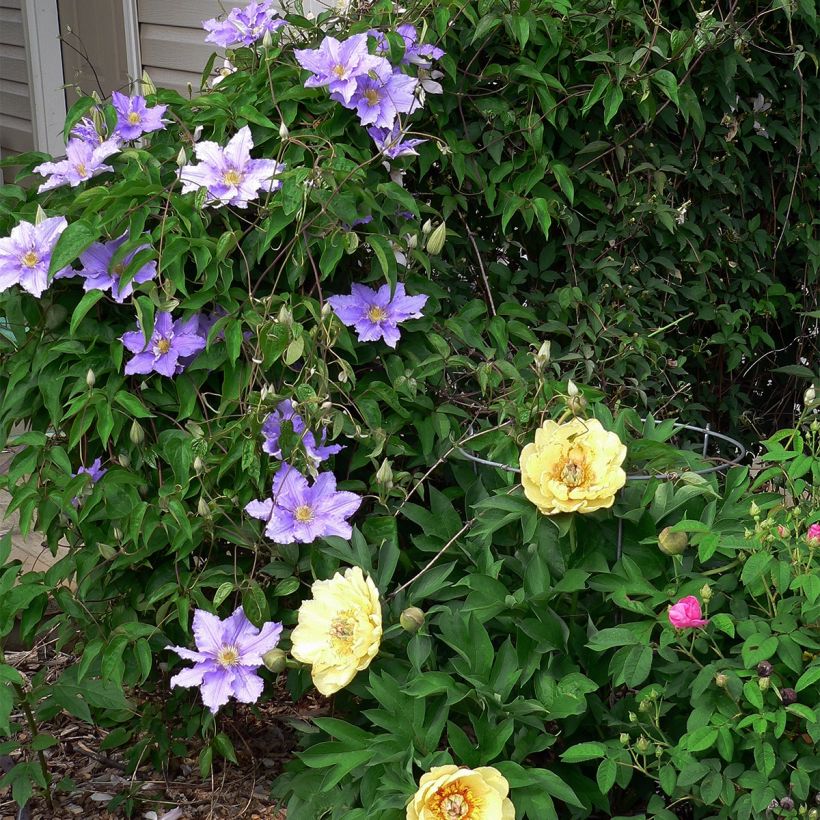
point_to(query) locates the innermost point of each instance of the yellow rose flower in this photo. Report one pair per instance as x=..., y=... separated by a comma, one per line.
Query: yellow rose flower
x=453, y=793
x=573, y=467
x=339, y=629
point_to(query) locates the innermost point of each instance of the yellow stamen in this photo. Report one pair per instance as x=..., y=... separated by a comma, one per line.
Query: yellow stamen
x=163, y=346
x=372, y=96
x=134, y=118
x=339, y=71
x=232, y=177
x=30, y=259
x=572, y=473
x=343, y=631
x=303, y=513
x=228, y=656
x=81, y=169
x=376, y=314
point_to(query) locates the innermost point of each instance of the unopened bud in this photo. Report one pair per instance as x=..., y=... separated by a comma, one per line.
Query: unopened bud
x=572, y=388
x=124, y=460
x=645, y=705
x=810, y=397
x=267, y=39
x=275, y=660
x=542, y=357
x=90, y=378
x=326, y=310
x=202, y=508
x=672, y=543
x=98, y=119
x=199, y=466
x=624, y=738
x=435, y=242
x=706, y=593
x=721, y=680
x=284, y=317
x=754, y=510
x=412, y=619
x=137, y=434
x=412, y=241
x=283, y=131
x=427, y=227
x=117, y=533
x=40, y=216
x=577, y=405
x=633, y=718
x=764, y=683
x=148, y=86
x=642, y=744
x=384, y=475
x=813, y=815
x=182, y=158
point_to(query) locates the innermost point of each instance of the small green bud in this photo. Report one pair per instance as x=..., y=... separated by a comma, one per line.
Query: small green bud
x=199, y=466
x=642, y=744
x=90, y=378
x=106, y=551
x=658, y=751
x=137, y=434
x=427, y=228
x=182, y=158
x=645, y=705
x=754, y=510
x=117, y=533
x=672, y=543
x=624, y=738
x=435, y=242
x=764, y=683
x=124, y=459
x=706, y=593
x=275, y=660
x=810, y=397
x=412, y=619
x=267, y=39
x=721, y=680
x=202, y=508
x=384, y=475
x=633, y=718
x=542, y=357
x=283, y=131
x=572, y=389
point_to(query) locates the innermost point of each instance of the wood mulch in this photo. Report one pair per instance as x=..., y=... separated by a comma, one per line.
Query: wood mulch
x=262, y=736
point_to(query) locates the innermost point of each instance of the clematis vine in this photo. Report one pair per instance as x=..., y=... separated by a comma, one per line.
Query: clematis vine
x=272, y=430
x=243, y=26
x=135, y=118
x=25, y=255
x=301, y=513
x=391, y=142
x=170, y=343
x=228, y=654
x=100, y=274
x=338, y=65
x=96, y=471
x=381, y=95
x=84, y=160
x=229, y=174
x=375, y=314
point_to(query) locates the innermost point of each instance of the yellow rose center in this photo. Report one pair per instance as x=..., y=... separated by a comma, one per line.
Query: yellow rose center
x=163, y=346
x=232, y=177
x=228, y=656
x=372, y=96
x=134, y=118
x=30, y=259
x=572, y=473
x=339, y=71
x=81, y=169
x=455, y=801
x=376, y=314
x=342, y=631
x=303, y=513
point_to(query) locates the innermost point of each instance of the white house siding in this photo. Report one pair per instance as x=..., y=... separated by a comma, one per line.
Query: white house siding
x=16, y=132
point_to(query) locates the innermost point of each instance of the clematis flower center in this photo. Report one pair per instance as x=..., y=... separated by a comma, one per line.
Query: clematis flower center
x=134, y=118
x=342, y=631
x=372, y=96
x=303, y=513
x=454, y=801
x=81, y=169
x=376, y=314
x=227, y=657
x=339, y=70
x=163, y=346
x=232, y=177
x=30, y=259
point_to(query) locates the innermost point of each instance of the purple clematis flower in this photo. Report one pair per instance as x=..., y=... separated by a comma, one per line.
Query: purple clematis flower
x=391, y=143
x=374, y=314
x=300, y=513
x=229, y=173
x=227, y=655
x=83, y=161
x=243, y=26
x=135, y=118
x=96, y=471
x=272, y=430
x=381, y=95
x=25, y=254
x=86, y=131
x=170, y=343
x=100, y=275
x=420, y=54
x=337, y=65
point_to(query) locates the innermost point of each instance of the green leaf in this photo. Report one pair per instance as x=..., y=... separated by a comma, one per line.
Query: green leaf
x=83, y=306
x=605, y=776
x=72, y=242
x=581, y=752
x=668, y=83
x=809, y=677
x=255, y=604
x=612, y=102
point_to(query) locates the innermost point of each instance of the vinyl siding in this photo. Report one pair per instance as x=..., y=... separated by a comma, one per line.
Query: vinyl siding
x=16, y=130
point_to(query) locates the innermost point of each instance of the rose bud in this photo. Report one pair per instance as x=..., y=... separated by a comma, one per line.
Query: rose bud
x=672, y=543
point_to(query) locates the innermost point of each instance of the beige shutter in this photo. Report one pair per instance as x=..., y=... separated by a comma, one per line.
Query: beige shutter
x=16, y=131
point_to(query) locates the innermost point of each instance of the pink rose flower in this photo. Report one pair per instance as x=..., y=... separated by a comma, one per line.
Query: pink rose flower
x=686, y=614
x=813, y=535
x=782, y=531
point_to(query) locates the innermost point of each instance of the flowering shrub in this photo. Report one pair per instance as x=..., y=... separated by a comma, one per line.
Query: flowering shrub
x=315, y=426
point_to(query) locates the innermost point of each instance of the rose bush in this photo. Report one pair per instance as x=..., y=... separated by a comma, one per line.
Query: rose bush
x=249, y=369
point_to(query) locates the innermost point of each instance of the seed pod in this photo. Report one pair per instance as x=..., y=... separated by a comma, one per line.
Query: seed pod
x=672, y=543
x=137, y=434
x=275, y=660
x=412, y=619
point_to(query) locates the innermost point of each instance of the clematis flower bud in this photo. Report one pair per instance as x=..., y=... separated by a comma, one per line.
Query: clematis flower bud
x=124, y=460
x=182, y=158
x=275, y=660
x=435, y=242
x=810, y=396
x=285, y=317
x=137, y=434
x=672, y=543
x=412, y=619
x=284, y=133
x=40, y=216
x=199, y=466
x=90, y=378
x=267, y=39
x=572, y=389
x=202, y=508
x=754, y=510
x=117, y=533
x=148, y=86
x=542, y=357
x=427, y=227
x=384, y=475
